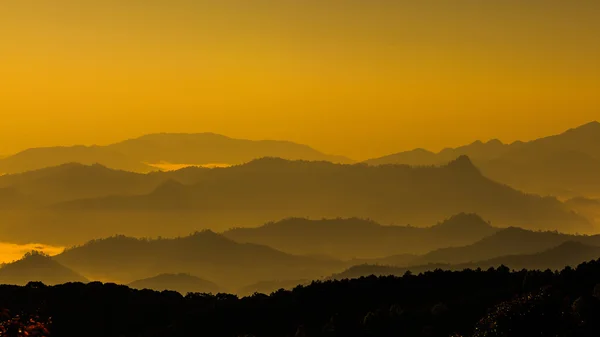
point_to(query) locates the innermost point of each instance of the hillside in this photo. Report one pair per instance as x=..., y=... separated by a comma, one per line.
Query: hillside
x=227, y=263
x=564, y=164
x=37, y=267
x=182, y=283
x=137, y=155
x=353, y=238
x=272, y=188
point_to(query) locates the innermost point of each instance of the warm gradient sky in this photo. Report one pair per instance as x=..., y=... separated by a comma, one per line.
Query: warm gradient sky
x=355, y=77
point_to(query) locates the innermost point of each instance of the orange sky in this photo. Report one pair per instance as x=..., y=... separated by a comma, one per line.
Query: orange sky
x=361, y=78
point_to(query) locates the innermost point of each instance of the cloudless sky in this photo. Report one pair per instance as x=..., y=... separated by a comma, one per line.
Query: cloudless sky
x=361, y=78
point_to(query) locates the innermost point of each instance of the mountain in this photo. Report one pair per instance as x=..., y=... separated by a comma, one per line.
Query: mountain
x=505, y=242
x=76, y=181
x=37, y=267
x=272, y=188
x=38, y=158
x=564, y=164
x=569, y=253
x=227, y=263
x=182, y=283
x=138, y=155
x=210, y=148
x=351, y=238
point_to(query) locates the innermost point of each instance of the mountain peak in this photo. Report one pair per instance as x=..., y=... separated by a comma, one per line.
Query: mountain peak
x=463, y=164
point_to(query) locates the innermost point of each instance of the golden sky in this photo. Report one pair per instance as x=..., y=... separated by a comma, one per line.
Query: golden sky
x=360, y=78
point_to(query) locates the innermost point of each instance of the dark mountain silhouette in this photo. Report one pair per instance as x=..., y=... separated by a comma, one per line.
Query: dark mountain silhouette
x=272, y=188
x=569, y=253
x=228, y=263
x=138, y=154
x=351, y=238
x=565, y=164
x=34, y=267
x=182, y=283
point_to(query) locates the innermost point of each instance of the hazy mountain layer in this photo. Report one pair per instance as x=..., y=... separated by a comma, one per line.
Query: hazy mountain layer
x=356, y=238
x=565, y=164
x=566, y=254
x=227, y=263
x=136, y=154
x=270, y=189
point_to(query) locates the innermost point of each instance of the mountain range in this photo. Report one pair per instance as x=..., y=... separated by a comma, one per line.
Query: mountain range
x=563, y=165
x=565, y=254
x=358, y=238
x=139, y=154
x=76, y=202
x=227, y=263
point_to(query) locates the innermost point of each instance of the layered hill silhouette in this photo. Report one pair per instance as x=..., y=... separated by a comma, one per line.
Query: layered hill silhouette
x=182, y=283
x=564, y=164
x=37, y=267
x=508, y=241
x=138, y=155
x=569, y=253
x=227, y=263
x=273, y=188
x=352, y=238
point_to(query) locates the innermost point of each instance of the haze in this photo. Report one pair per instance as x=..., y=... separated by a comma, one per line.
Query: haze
x=355, y=78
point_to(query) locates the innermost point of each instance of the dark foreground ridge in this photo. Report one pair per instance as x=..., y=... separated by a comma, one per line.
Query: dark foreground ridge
x=495, y=302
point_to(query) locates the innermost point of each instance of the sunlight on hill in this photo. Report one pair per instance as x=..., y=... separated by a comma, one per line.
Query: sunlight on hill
x=10, y=252
x=174, y=167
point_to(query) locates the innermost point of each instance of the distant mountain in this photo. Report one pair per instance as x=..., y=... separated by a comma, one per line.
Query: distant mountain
x=138, y=155
x=37, y=267
x=182, y=283
x=38, y=158
x=76, y=181
x=352, y=238
x=272, y=188
x=565, y=164
x=210, y=148
x=508, y=241
x=569, y=253
x=228, y=263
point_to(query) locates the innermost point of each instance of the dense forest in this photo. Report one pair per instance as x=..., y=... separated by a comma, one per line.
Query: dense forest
x=493, y=302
